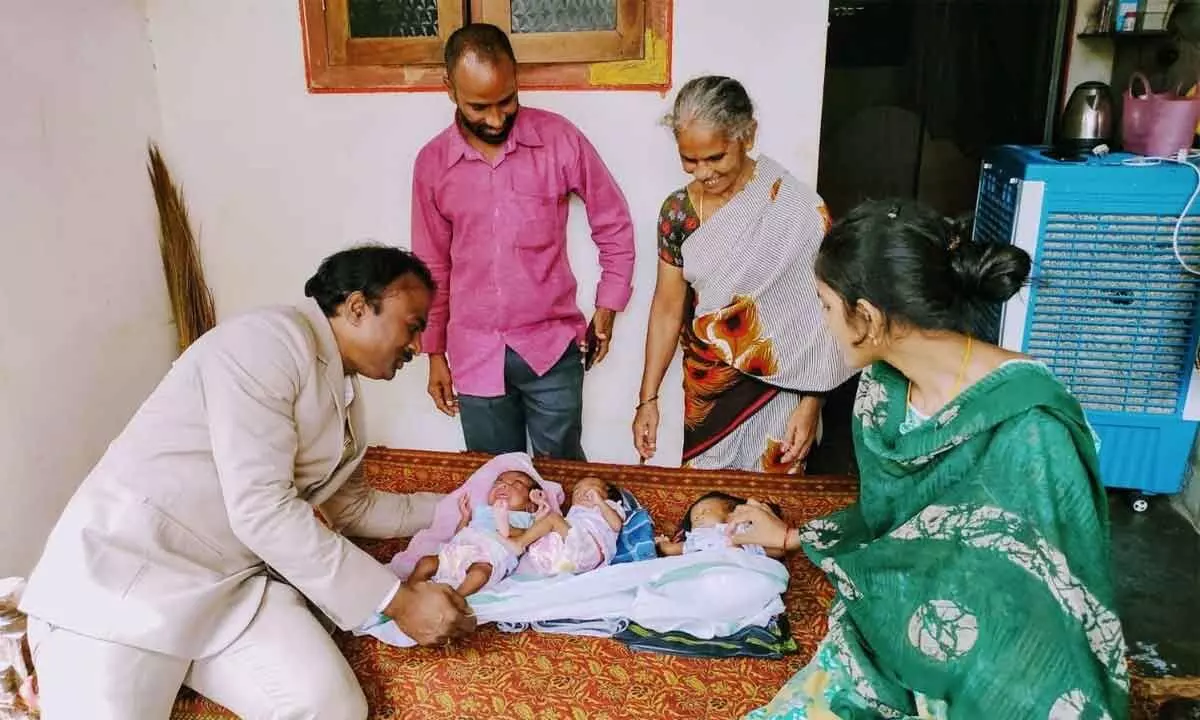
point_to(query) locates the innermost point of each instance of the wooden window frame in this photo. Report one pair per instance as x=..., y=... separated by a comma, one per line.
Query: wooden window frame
x=346, y=50
x=626, y=42
x=635, y=55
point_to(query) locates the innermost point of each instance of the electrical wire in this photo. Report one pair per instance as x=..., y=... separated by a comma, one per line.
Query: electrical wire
x=1187, y=159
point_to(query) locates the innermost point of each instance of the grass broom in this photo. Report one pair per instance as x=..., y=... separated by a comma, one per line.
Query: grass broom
x=191, y=299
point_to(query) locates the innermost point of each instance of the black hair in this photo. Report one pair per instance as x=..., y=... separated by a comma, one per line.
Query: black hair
x=368, y=269
x=918, y=267
x=614, y=493
x=484, y=40
x=731, y=501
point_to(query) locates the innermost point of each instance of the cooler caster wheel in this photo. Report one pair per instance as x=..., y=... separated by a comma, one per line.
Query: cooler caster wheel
x=1140, y=503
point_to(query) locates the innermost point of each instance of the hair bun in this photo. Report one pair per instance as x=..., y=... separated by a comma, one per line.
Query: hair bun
x=314, y=286
x=989, y=272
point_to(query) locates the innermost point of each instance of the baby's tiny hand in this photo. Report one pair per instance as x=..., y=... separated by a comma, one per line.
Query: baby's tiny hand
x=541, y=506
x=464, y=506
x=660, y=539
x=501, y=505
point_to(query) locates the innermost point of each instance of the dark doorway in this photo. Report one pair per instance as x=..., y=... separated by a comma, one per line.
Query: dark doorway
x=915, y=90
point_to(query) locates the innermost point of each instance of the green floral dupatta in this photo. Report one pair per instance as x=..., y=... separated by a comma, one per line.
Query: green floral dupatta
x=973, y=575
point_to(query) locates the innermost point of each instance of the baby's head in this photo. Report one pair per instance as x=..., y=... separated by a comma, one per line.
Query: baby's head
x=712, y=509
x=591, y=484
x=513, y=487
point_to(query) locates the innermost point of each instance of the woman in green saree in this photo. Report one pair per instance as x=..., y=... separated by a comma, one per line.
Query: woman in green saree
x=972, y=576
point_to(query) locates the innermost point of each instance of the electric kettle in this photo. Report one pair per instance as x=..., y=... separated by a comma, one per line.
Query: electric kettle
x=1087, y=119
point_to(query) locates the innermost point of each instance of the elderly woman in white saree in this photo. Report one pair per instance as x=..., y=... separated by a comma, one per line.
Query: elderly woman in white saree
x=736, y=289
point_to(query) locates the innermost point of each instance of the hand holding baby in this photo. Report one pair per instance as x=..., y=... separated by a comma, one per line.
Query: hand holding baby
x=754, y=523
x=430, y=613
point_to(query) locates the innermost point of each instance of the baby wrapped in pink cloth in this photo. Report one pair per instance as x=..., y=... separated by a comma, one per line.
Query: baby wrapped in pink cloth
x=472, y=543
x=583, y=540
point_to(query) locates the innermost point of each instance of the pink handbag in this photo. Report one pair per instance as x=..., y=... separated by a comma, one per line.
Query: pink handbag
x=1157, y=124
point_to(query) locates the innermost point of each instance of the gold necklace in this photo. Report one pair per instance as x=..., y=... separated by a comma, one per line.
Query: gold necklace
x=700, y=210
x=962, y=373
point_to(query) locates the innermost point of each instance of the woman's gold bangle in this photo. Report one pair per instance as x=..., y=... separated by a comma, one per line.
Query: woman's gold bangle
x=791, y=540
x=645, y=402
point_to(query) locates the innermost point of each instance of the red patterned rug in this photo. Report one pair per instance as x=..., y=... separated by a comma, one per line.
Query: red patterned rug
x=530, y=676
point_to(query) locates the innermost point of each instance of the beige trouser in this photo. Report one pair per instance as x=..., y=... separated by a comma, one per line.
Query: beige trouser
x=285, y=666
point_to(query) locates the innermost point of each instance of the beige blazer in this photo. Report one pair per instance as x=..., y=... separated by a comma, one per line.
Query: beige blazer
x=165, y=544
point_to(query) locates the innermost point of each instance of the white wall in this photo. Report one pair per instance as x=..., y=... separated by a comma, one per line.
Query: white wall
x=280, y=178
x=84, y=322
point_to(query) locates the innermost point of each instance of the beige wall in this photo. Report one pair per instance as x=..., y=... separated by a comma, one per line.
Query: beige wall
x=279, y=178
x=276, y=178
x=84, y=323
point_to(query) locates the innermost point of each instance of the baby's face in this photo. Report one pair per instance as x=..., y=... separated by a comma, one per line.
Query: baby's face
x=513, y=487
x=709, y=513
x=587, y=485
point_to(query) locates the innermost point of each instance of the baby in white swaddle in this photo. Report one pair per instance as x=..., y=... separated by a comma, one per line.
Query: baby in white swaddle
x=482, y=550
x=582, y=540
x=704, y=527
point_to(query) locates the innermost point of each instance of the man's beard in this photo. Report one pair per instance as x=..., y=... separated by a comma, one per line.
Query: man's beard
x=485, y=133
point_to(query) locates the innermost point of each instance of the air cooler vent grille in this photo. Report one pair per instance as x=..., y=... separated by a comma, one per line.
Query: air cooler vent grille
x=994, y=217
x=1114, y=309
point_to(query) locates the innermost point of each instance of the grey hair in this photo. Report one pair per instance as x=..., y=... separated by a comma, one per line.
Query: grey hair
x=714, y=100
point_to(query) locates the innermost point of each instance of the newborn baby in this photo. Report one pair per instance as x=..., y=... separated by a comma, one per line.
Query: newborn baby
x=583, y=540
x=704, y=528
x=482, y=550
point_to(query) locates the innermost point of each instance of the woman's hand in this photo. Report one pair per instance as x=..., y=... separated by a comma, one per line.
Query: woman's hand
x=759, y=526
x=801, y=430
x=645, y=430
x=662, y=340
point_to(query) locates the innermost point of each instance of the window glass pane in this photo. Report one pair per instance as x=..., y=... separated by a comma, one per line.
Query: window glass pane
x=530, y=16
x=393, y=18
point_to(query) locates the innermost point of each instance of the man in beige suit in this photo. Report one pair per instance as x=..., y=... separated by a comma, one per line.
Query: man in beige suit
x=191, y=552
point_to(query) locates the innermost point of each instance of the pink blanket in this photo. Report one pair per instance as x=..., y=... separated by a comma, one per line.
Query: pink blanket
x=446, y=517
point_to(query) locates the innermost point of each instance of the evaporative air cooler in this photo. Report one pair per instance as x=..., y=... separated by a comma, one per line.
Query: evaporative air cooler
x=1110, y=306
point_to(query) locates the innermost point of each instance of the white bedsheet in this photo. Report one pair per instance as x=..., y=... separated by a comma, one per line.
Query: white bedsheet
x=707, y=594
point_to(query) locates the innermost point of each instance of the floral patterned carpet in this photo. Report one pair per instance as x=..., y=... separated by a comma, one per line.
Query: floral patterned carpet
x=529, y=676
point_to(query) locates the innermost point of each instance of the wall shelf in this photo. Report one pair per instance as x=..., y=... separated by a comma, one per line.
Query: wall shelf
x=1127, y=35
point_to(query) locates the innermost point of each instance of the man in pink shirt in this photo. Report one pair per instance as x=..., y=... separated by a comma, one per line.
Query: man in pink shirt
x=490, y=199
